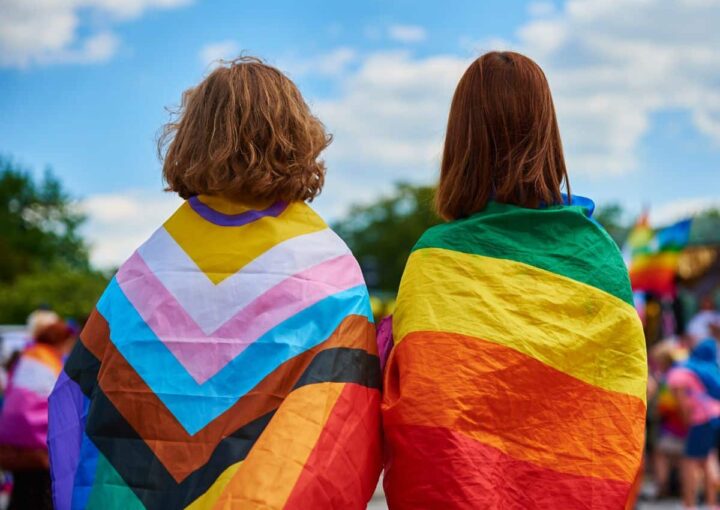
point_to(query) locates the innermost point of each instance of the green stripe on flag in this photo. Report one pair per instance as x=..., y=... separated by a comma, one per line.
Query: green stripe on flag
x=561, y=239
x=110, y=492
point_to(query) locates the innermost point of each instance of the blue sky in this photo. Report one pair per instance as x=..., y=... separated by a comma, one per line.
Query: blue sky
x=637, y=88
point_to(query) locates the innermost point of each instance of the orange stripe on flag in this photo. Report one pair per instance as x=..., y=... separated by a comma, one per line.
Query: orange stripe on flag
x=507, y=400
x=344, y=467
x=267, y=476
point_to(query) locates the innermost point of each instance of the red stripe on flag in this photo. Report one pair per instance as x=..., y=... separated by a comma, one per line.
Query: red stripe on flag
x=343, y=468
x=438, y=469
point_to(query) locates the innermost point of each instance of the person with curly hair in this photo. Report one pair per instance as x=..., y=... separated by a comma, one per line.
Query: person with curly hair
x=231, y=362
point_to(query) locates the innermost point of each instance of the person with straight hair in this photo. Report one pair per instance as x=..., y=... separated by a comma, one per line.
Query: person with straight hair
x=231, y=362
x=517, y=378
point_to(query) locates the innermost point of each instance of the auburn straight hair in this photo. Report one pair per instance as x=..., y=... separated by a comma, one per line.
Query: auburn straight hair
x=502, y=141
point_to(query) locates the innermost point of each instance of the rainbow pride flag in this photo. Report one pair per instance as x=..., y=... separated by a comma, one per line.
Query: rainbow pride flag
x=654, y=255
x=230, y=363
x=518, y=375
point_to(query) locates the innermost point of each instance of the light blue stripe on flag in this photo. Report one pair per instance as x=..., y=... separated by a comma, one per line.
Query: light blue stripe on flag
x=195, y=405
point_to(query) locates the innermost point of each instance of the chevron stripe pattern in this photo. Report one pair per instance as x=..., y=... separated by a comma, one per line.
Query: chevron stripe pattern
x=230, y=363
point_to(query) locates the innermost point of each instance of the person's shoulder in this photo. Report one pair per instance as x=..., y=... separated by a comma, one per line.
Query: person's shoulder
x=449, y=235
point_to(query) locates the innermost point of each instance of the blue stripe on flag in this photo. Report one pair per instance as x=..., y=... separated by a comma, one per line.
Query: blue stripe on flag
x=195, y=405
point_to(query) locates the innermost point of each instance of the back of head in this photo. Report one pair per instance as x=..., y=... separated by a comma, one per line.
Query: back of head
x=502, y=141
x=244, y=131
x=39, y=320
x=55, y=334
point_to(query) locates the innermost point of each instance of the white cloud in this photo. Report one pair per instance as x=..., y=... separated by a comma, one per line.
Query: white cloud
x=119, y=222
x=212, y=53
x=330, y=64
x=677, y=210
x=335, y=62
x=407, y=33
x=388, y=121
x=611, y=65
x=541, y=8
x=42, y=32
x=96, y=48
x=391, y=111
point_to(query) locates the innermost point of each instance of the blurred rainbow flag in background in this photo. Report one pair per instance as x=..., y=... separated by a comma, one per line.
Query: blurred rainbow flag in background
x=654, y=255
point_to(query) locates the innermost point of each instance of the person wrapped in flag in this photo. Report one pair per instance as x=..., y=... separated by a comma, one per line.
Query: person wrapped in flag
x=517, y=379
x=24, y=415
x=231, y=362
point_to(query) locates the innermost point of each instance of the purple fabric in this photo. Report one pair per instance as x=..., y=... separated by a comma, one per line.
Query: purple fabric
x=384, y=340
x=67, y=423
x=24, y=417
x=24, y=420
x=234, y=220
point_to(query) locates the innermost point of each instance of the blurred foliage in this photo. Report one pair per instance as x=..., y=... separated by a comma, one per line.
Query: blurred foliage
x=43, y=257
x=38, y=224
x=610, y=216
x=382, y=234
x=706, y=228
x=68, y=291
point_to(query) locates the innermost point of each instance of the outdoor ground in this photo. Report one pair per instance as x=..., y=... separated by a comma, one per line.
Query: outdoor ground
x=379, y=504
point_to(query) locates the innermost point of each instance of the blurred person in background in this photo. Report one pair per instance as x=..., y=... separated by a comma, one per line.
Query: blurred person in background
x=700, y=326
x=670, y=429
x=231, y=362
x=518, y=378
x=39, y=320
x=24, y=417
x=695, y=384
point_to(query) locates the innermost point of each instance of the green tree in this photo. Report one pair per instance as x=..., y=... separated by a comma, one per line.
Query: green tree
x=43, y=257
x=38, y=224
x=706, y=228
x=69, y=292
x=382, y=234
x=611, y=217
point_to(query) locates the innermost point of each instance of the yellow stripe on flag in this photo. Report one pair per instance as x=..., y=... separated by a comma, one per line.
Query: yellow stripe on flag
x=568, y=325
x=269, y=473
x=664, y=260
x=210, y=497
x=201, y=239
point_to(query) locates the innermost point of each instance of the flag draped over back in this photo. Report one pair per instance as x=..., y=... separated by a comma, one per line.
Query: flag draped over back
x=230, y=363
x=655, y=255
x=518, y=375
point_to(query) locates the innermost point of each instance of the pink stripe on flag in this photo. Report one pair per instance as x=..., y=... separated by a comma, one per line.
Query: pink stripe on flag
x=204, y=355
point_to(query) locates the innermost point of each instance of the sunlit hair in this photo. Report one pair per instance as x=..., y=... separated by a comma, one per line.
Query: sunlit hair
x=502, y=141
x=39, y=319
x=245, y=131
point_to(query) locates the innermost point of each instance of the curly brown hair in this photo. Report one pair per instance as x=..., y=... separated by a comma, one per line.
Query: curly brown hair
x=244, y=131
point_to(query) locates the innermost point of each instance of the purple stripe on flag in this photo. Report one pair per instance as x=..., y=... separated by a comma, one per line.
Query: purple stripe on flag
x=67, y=423
x=234, y=220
